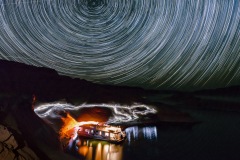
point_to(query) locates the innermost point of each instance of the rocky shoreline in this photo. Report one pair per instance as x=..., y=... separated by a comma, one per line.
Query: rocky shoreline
x=19, y=83
x=41, y=140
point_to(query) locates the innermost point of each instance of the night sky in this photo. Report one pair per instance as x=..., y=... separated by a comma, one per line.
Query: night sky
x=154, y=44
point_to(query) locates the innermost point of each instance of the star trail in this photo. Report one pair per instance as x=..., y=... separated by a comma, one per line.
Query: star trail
x=154, y=44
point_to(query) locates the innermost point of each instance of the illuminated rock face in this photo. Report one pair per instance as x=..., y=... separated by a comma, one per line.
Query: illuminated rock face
x=7, y=139
x=10, y=149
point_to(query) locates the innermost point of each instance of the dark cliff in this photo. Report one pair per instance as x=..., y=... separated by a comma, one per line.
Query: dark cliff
x=46, y=84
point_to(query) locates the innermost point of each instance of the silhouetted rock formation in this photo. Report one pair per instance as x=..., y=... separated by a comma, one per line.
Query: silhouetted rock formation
x=48, y=85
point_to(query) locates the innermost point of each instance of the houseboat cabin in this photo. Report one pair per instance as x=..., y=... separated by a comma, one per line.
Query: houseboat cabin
x=102, y=132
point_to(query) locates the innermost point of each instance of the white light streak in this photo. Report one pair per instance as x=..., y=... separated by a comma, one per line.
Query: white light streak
x=120, y=113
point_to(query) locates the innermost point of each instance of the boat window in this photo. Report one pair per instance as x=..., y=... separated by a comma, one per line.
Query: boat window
x=112, y=135
x=87, y=130
x=106, y=134
x=100, y=132
x=92, y=131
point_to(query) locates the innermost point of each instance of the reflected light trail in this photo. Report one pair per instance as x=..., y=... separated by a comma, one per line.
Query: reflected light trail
x=134, y=133
x=150, y=132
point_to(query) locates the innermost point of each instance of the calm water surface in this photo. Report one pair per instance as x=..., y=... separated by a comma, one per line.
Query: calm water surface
x=216, y=138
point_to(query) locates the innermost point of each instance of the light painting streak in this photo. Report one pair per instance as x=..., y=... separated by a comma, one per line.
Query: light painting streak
x=120, y=113
x=154, y=44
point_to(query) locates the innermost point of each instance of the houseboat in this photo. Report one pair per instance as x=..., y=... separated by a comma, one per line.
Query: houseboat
x=102, y=131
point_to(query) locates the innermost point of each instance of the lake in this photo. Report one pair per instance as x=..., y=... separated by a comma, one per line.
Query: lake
x=216, y=137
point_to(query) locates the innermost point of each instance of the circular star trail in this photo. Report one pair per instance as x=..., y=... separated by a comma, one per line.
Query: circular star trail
x=154, y=44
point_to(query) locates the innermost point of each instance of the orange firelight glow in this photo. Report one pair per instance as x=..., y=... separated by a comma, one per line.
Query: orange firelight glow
x=69, y=126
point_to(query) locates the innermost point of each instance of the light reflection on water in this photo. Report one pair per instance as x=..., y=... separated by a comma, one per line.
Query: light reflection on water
x=135, y=133
x=90, y=149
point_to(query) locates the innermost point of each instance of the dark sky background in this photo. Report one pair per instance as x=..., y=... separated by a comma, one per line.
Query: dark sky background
x=154, y=44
